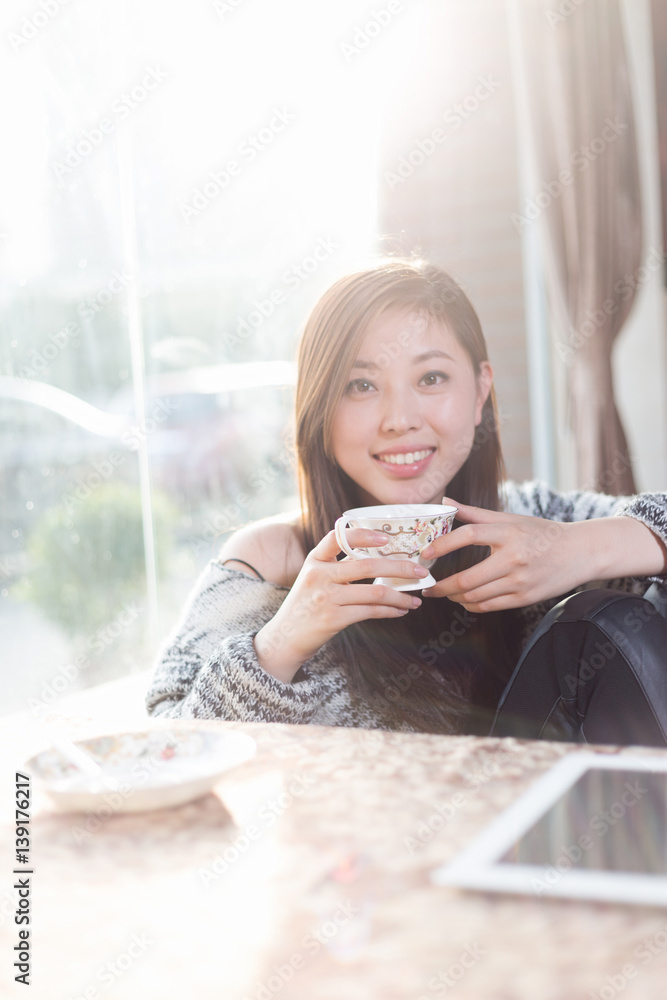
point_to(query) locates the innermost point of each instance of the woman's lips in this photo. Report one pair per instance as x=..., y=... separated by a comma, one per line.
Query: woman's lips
x=404, y=465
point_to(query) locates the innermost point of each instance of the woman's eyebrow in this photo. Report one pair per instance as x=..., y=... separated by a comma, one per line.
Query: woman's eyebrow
x=418, y=360
x=435, y=353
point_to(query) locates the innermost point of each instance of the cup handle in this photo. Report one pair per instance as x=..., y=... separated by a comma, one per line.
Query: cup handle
x=339, y=529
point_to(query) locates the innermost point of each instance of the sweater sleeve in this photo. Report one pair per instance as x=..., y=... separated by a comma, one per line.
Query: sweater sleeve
x=208, y=668
x=538, y=500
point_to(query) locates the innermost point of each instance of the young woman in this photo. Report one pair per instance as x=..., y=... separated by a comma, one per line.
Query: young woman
x=394, y=404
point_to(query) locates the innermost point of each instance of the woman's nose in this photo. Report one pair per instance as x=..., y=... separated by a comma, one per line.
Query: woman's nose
x=401, y=413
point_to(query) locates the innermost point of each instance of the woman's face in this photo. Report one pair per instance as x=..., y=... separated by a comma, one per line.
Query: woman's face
x=406, y=422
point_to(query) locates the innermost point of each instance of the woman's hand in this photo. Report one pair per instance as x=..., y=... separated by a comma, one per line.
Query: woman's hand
x=531, y=558
x=324, y=600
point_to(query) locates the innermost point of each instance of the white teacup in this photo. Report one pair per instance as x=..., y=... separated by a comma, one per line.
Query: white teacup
x=411, y=527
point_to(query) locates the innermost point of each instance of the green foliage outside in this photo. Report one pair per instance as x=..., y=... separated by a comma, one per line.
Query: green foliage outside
x=87, y=561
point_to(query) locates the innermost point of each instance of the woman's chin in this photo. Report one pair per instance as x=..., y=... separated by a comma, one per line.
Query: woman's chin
x=404, y=494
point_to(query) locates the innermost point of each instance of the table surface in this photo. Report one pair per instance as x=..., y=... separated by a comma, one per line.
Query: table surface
x=304, y=875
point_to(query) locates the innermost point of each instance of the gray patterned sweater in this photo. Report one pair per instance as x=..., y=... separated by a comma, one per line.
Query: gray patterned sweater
x=208, y=669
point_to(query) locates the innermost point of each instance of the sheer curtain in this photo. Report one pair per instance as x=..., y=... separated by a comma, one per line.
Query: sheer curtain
x=589, y=207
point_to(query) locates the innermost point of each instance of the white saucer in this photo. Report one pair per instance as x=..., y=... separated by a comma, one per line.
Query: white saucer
x=148, y=770
x=400, y=583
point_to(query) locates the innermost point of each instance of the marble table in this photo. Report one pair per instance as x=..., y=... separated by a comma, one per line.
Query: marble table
x=303, y=876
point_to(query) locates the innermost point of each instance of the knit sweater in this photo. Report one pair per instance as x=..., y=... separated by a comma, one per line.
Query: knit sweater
x=208, y=668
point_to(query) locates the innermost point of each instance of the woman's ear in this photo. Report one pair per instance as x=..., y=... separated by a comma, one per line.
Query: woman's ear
x=484, y=383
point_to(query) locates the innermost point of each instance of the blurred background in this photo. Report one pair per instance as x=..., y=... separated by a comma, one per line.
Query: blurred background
x=177, y=188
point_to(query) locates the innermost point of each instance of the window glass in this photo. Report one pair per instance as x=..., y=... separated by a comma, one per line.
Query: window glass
x=179, y=184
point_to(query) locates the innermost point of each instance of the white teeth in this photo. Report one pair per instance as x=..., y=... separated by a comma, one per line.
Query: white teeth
x=406, y=458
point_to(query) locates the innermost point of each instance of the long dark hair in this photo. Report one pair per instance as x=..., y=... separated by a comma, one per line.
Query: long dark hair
x=433, y=684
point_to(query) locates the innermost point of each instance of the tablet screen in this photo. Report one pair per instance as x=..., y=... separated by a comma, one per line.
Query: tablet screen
x=614, y=821
x=593, y=826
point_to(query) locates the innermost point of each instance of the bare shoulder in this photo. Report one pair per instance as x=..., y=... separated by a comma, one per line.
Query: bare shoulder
x=274, y=546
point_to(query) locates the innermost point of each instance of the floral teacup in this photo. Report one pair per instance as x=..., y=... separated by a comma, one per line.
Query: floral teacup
x=410, y=526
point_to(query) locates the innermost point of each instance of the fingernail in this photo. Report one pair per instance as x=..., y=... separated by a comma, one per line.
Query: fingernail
x=380, y=536
x=420, y=571
x=427, y=552
x=415, y=602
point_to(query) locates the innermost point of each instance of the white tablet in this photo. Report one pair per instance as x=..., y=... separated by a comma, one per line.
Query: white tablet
x=593, y=827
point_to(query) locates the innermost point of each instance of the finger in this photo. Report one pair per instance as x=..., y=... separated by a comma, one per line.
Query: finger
x=504, y=602
x=377, y=594
x=497, y=595
x=489, y=571
x=364, y=612
x=349, y=570
x=467, y=534
x=477, y=515
x=365, y=538
x=482, y=595
x=328, y=548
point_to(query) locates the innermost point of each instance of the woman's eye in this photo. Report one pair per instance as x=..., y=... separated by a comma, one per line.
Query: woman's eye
x=434, y=378
x=359, y=385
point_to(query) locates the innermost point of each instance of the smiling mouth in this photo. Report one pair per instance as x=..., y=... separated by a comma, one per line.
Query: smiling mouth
x=404, y=458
